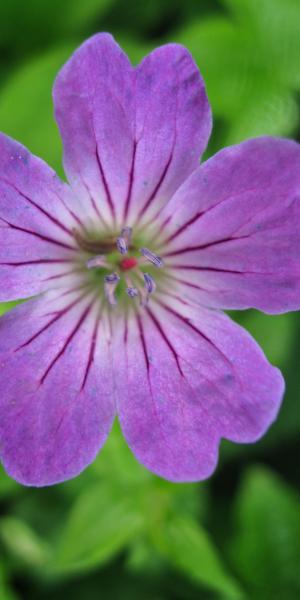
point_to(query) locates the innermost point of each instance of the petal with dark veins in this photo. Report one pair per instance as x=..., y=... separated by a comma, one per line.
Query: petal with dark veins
x=56, y=406
x=36, y=222
x=131, y=135
x=187, y=378
x=234, y=228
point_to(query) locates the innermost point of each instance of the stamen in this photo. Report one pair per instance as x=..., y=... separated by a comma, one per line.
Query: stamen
x=123, y=241
x=144, y=296
x=150, y=284
x=126, y=234
x=121, y=245
x=96, y=261
x=132, y=292
x=110, y=283
x=153, y=258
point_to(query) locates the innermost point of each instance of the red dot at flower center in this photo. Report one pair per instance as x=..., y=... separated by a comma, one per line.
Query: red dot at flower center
x=128, y=263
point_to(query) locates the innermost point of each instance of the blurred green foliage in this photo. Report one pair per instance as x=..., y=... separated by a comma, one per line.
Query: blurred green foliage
x=118, y=531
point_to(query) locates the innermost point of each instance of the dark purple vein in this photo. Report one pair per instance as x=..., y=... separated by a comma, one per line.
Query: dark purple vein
x=58, y=316
x=105, y=184
x=71, y=212
x=38, y=207
x=183, y=227
x=68, y=340
x=159, y=231
x=188, y=283
x=44, y=238
x=166, y=339
x=193, y=327
x=214, y=269
x=93, y=202
x=63, y=274
x=152, y=196
x=203, y=246
x=41, y=261
x=91, y=355
x=130, y=182
x=143, y=342
x=125, y=338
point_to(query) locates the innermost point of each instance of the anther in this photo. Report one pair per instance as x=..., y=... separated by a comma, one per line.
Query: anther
x=149, y=283
x=110, y=283
x=153, y=258
x=121, y=245
x=132, y=292
x=96, y=261
x=126, y=234
x=123, y=241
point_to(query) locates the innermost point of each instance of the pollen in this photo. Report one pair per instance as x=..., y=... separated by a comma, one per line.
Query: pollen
x=128, y=263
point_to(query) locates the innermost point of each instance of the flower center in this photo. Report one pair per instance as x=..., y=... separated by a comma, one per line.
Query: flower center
x=128, y=267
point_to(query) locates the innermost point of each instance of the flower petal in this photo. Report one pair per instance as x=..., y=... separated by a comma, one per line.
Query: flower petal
x=130, y=135
x=188, y=378
x=56, y=405
x=36, y=221
x=234, y=228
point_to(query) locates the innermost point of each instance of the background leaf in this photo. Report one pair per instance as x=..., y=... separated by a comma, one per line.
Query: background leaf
x=266, y=547
x=188, y=547
x=100, y=524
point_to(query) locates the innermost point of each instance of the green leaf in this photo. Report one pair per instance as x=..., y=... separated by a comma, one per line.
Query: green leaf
x=269, y=110
x=6, y=306
x=22, y=542
x=189, y=548
x=8, y=486
x=6, y=593
x=274, y=333
x=242, y=85
x=100, y=524
x=226, y=59
x=276, y=28
x=266, y=547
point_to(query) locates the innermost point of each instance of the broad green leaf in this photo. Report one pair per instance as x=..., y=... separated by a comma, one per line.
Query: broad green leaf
x=276, y=28
x=269, y=110
x=23, y=543
x=242, y=86
x=266, y=548
x=274, y=333
x=8, y=486
x=226, y=59
x=143, y=558
x=117, y=463
x=188, y=547
x=101, y=523
x=6, y=593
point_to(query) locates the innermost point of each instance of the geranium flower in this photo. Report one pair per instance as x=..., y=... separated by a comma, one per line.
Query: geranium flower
x=129, y=266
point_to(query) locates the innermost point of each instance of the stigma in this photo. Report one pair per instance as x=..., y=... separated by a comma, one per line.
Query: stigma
x=128, y=263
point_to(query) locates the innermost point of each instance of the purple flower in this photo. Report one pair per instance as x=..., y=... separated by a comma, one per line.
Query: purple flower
x=130, y=265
